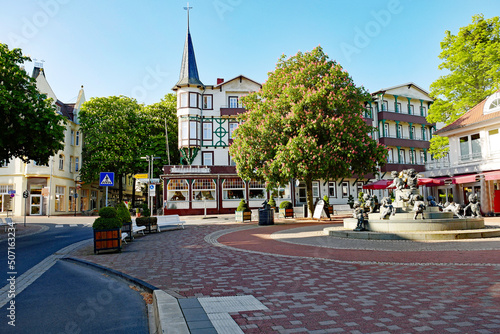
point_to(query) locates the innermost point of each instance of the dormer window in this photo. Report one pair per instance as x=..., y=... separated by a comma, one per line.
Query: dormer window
x=492, y=104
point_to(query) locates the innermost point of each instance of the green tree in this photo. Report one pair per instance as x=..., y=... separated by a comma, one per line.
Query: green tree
x=472, y=62
x=113, y=135
x=306, y=123
x=28, y=117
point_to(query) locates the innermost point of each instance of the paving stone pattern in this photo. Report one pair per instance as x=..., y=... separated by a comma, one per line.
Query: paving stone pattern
x=316, y=295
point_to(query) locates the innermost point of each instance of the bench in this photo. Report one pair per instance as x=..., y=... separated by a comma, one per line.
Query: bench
x=128, y=230
x=342, y=208
x=8, y=223
x=169, y=220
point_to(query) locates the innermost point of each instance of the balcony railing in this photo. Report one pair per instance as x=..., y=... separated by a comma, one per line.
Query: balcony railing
x=404, y=112
x=437, y=164
x=470, y=157
x=402, y=137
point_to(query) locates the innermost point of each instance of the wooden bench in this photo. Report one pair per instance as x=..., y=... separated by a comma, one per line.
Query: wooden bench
x=169, y=220
x=342, y=208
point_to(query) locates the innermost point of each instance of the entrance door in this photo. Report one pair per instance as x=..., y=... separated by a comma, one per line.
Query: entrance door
x=35, y=205
x=302, y=193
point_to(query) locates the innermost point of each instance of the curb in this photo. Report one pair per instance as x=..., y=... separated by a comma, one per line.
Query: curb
x=166, y=311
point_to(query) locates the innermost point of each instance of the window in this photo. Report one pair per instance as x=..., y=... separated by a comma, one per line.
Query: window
x=207, y=102
x=93, y=199
x=233, y=102
x=423, y=133
x=281, y=192
x=231, y=161
x=208, y=158
x=177, y=190
x=203, y=189
x=397, y=107
x=184, y=130
x=59, y=205
x=345, y=189
x=385, y=106
x=207, y=130
x=61, y=162
x=386, y=130
x=77, y=140
x=423, y=111
x=402, y=159
x=413, y=158
x=77, y=166
x=412, y=132
x=70, y=164
x=193, y=100
x=232, y=127
x=400, y=131
x=193, y=129
x=233, y=189
x=422, y=157
x=332, y=189
x=72, y=199
x=315, y=189
x=494, y=137
x=411, y=109
x=72, y=139
x=390, y=155
x=492, y=104
x=257, y=190
x=368, y=111
x=359, y=187
x=183, y=100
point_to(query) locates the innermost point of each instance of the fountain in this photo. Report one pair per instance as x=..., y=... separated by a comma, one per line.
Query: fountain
x=409, y=217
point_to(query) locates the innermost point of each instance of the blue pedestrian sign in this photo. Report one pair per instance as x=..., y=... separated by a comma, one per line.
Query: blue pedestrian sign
x=107, y=179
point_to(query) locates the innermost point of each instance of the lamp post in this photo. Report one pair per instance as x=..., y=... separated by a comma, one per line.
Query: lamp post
x=150, y=159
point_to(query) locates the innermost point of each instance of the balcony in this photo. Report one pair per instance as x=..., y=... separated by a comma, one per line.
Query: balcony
x=468, y=158
x=398, y=167
x=231, y=110
x=403, y=117
x=438, y=164
x=404, y=141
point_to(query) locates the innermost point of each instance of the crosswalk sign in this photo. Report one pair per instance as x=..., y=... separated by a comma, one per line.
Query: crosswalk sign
x=107, y=179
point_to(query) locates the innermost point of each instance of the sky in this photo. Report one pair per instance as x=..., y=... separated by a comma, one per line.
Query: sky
x=134, y=48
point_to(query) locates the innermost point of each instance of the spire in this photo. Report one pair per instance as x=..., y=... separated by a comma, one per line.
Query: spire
x=189, y=70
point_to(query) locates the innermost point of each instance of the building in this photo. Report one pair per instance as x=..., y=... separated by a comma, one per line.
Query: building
x=473, y=162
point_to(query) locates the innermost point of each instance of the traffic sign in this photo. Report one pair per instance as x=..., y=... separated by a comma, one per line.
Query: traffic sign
x=107, y=179
x=157, y=181
x=141, y=176
x=11, y=192
x=152, y=190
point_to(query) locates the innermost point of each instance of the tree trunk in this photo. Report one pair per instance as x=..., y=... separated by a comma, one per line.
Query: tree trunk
x=133, y=193
x=120, y=189
x=309, y=195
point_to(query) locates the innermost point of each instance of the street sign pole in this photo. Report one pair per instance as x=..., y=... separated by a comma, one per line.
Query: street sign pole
x=106, y=196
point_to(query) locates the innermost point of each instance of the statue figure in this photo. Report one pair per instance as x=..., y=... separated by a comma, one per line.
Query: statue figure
x=369, y=202
x=431, y=201
x=397, y=182
x=412, y=179
x=474, y=206
x=265, y=205
x=455, y=208
x=359, y=214
x=418, y=206
x=386, y=208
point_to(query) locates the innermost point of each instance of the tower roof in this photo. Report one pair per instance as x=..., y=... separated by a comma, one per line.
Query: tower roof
x=189, y=70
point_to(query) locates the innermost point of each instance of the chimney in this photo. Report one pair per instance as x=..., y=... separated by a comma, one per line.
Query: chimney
x=219, y=81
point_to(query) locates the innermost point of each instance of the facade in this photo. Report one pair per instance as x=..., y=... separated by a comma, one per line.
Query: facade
x=53, y=189
x=473, y=162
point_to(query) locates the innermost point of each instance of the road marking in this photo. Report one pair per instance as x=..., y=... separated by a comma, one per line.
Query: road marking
x=59, y=225
x=218, y=309
x=31, y=275
x=73, y=225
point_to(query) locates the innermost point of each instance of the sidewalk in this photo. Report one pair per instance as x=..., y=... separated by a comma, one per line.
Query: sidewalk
x=307, y=282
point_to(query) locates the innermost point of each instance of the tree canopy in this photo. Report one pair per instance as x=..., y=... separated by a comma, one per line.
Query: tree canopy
x=306, y=123
x=472, y=62
x=27, y=115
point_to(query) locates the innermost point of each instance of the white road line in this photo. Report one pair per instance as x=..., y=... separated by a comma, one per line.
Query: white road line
x=23, y=281
x=73, y=225
x=59, y=226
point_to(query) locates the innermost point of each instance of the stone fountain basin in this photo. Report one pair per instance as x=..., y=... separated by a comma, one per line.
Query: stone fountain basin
x=418, y=225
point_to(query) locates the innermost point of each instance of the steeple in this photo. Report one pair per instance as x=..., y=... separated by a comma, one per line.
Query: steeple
x=189, y=70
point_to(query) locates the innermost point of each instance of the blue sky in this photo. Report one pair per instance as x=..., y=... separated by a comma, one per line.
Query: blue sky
x=134, y=48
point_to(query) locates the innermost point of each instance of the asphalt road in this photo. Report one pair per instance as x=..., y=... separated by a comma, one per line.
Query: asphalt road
x=68, y=297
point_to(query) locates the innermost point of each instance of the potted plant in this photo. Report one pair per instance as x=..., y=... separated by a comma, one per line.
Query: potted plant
x=326, y=199
x=123, y=213
x=107, y=230
x=272, y=204
x=243, y=213
x=350, y=201
x=286, y=209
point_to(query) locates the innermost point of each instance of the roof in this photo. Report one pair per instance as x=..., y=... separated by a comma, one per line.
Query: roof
x=189, y=70
x=473, y=116
x=238, y=77
x=408, y=84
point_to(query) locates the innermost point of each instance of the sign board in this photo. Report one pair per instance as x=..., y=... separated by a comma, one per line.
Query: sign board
x=10, y=192
x=45, y=191
x=141, y=176
x=152, y=190
x=107, y=179
x=149, y=181
x=318, y=210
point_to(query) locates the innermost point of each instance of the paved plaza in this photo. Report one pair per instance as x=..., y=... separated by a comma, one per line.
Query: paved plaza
x=313, y=283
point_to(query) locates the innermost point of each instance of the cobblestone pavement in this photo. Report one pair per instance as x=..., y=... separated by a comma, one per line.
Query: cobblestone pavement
x=323, y=285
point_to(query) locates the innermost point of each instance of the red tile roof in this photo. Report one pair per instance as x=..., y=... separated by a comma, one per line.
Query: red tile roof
x=473, y=116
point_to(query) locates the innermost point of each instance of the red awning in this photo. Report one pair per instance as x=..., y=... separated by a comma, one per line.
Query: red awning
x=493, y=175
x=380, y=184
x=469, y=178
x=430, y=182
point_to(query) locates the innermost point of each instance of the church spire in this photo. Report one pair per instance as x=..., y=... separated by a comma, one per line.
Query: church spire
x=189, y=70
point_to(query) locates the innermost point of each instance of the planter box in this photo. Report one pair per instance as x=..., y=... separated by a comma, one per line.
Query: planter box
x=330, y=210
x=108, y=240
x=151, y=223
x=266, y=217
x=286, y=213
x=242, y=216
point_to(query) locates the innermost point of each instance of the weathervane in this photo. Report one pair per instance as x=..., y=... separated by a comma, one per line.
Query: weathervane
x=188, y=8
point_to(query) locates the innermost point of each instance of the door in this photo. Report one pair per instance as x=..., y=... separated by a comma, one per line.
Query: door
x=35, y=205
x=302, y=193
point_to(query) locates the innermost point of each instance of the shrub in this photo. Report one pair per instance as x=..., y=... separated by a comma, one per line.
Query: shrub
x=145, y=210
x=272, y=202
x=123, y=213
x=286, y=205
x=146, y=221
x=107, y=219
x=243, y=206
x=108, y=212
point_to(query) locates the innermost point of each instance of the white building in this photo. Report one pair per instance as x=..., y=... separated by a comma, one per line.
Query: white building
x=473, y=163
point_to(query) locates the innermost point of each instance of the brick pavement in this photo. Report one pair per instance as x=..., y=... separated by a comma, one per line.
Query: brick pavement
x=320, y=289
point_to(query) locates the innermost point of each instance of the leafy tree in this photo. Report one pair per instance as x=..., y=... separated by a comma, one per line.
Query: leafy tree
x=472, y=60
x=306, y=123
x=27, y=115
x=112, y=137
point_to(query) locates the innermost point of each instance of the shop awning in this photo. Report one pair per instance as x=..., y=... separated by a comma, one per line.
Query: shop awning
x=430, y=182
x=493, y=175
x=380, y=184
x=469, y=178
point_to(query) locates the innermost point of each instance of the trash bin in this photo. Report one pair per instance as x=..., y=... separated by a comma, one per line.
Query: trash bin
x=304, y=210
x=266, y=217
